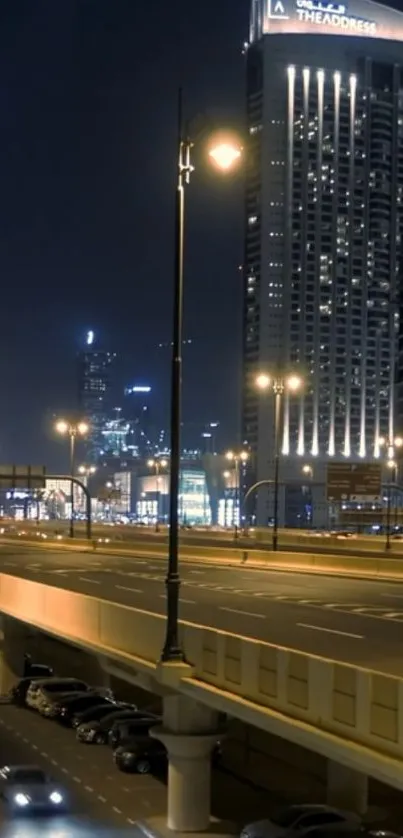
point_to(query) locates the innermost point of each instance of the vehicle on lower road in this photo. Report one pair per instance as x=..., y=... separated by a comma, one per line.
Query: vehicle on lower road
x=96, y=732
x=141, y=756
x=27, y=788
x=18, y=693
x=301, y=820
x=127, y=729
x=95, y=714
x=42, y=692
x=71, y=706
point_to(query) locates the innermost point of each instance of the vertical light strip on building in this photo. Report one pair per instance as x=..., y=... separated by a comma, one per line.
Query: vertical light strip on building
x=318, y=238
x=350, y=239
x=288, y=245
x=393, y=302
x=377, y=434
x=332, y=359
x=302, y=297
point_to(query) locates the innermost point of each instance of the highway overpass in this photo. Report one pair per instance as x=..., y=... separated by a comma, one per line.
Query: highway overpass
x=349, y=713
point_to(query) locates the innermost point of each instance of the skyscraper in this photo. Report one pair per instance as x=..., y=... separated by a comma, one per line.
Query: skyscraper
x=93, y=393
x=323, y=238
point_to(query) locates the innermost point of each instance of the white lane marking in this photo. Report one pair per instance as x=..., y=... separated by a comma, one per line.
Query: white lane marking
x=76, y=779
x=187, y=601
x=245, y=613
x=393, y=596
x=35, y=747
x=89, y=788
x=162, y=596
x=92, y=581
x=331, y=631
x=65, y=771
x=102, y=799
x=9, y=564
x=54, y=761
x=115, y=809
x=199, y=572
x=25, y=739
x=393, y=614
x=129, y=820
x=126, y=588
x=44, y=754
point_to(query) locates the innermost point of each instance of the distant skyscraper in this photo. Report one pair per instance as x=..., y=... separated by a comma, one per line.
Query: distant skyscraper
x=324, y=227
x=94, y=392
x=137, y=410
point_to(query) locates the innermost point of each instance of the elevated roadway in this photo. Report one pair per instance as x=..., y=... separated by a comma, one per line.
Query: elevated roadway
x=350, y=620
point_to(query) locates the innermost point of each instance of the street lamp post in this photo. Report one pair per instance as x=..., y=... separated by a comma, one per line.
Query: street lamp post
x=278, y=385
x=391, y=443
x=308, y=470
x=72, y=430
x=157, y=465
x=224, y=155
x=237, y=459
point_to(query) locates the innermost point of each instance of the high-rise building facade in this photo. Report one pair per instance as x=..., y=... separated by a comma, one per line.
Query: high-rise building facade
x=324, y=227
x=93, y=393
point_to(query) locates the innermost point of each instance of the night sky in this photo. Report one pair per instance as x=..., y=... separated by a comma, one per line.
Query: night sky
x=87, y=173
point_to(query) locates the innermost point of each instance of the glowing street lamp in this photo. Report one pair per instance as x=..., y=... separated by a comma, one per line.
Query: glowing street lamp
x=224, y=159
x=278, y=384
x=157, y=464
x=236, y=457
x=225, y=155
x=390, y=443
x=72, y=430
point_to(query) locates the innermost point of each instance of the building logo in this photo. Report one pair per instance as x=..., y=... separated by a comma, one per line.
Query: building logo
x=357, y=18
x=277, y=10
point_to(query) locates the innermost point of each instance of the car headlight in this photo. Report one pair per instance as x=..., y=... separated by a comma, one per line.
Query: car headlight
x=21, y=799
x=56, y=797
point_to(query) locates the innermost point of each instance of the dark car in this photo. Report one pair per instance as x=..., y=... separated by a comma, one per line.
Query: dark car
x=97, y=731
x=70, y=707
x=126, y=729
x=95, y=714
x=141, y=756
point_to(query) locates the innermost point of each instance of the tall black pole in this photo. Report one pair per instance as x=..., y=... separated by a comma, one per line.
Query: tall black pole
x=72, y=466
x=277, y=417
x=172, y=650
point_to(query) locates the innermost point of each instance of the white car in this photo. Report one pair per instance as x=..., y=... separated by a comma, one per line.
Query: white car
x=26, y=788
x=300, y=820
x=40, y=691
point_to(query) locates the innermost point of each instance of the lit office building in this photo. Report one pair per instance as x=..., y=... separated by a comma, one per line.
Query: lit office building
x=93, y=393
x=324, y=224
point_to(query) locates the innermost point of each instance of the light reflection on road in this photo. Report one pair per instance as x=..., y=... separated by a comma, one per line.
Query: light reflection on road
x=66, y=827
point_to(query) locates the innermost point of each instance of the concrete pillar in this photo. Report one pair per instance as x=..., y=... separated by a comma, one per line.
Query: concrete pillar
x=189, y=732
x=12, y=648
x=346, y=788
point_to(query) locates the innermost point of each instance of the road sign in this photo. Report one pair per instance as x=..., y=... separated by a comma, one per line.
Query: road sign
x=361, y=482
x=22, y=477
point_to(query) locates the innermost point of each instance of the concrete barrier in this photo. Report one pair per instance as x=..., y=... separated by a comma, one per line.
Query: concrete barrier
x=346, y=713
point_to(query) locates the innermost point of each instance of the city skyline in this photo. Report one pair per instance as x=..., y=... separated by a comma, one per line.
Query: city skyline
x=78, y=246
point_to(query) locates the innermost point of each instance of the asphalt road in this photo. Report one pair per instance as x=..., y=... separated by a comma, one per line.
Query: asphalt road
x=354, y=621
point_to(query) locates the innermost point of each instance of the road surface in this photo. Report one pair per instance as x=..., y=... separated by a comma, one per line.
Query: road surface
x=354, y=621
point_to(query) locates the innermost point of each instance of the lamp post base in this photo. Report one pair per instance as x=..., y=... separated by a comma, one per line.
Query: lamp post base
x=172, y=650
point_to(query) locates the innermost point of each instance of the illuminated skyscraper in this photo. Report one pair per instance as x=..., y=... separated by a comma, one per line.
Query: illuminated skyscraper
x=324, y=226
x=93, y=393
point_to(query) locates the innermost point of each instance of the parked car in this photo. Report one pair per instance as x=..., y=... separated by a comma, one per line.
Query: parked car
x=97, y=731
x=41, y=692
x=126, y=729
x=18, y=692
x=97, y=713
x=27, y=787
x=141, y=756
x=72, y=705
x=301, y=820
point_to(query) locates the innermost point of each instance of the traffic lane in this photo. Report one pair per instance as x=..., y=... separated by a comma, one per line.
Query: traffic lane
x=285, y=583
x=85, y=811
x=133, y=796
x=107, y=795
x=354, y=638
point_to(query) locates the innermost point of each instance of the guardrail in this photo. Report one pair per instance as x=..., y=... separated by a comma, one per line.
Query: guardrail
x=361, y=567
x=349, y=714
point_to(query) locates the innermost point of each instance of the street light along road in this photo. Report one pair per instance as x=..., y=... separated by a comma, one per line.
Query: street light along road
x=172, y=650
x=278, y=384
x=72, y=430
